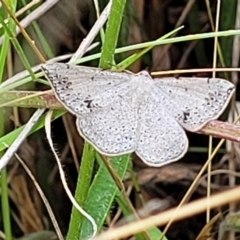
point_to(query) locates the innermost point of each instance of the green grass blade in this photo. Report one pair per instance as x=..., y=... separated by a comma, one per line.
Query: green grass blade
x=77, y=223
x=131, y=59
x=3, y=174
x=40, y=36
x=82, y=188
x=103, y=181
x=227, y=21
x=136, y=47
x=112, y=32
x=158, y=42
x=102, y=193
x=18, y=48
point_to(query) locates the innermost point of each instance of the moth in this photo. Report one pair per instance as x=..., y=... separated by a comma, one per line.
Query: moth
x=120, y=113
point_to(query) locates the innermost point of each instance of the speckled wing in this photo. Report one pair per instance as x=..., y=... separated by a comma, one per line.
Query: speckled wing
x=83, y=90
x=112, y=131
x=193, y=101
x=160, y=138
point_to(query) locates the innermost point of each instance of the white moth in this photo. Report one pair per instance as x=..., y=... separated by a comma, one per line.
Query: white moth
x=120, y=113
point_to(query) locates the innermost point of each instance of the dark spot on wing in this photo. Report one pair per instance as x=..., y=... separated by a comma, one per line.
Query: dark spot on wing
x=64, y=79
x=185, y=116
x=88, y=102
x=230, y=90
